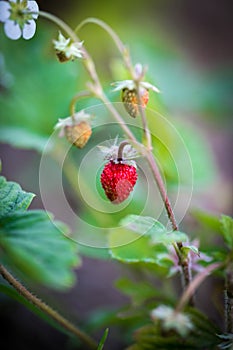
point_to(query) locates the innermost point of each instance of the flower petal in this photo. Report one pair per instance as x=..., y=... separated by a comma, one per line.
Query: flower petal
x=33, y=7
x=4, y=11
x=12, y=30
x=119, y=85
x=149, y=86
x=29, y=29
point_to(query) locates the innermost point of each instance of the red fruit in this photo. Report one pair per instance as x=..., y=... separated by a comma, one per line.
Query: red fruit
x=130, y=100
x=118, y=180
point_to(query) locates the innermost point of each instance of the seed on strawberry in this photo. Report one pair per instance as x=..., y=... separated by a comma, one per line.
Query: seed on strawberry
x=118, y=180
x=130, y=100
x=78, y=134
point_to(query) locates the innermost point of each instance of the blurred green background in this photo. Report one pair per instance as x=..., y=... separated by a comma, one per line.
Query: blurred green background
x=187, y=46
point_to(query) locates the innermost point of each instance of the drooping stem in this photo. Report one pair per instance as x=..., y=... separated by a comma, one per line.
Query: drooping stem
x=87, y=60
x=121, y=47
x=229, y=300
x=78, y=96
x=61, y=24
x=120, y=150
x=22, y=290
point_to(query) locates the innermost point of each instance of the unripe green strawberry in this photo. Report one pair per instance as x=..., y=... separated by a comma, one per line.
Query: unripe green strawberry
x=130, y=100
x=78, y=134
x=118, y=180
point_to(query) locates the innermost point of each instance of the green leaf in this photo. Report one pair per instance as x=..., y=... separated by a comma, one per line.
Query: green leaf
x=103, y=339
x=169, y=237
x=142, y=239
x=131, y=247
x=186, y=249
x=23, y=138
x=142, y=224
x=37, y=247
x=12, y=197
x=226, y=227
x=152, y=227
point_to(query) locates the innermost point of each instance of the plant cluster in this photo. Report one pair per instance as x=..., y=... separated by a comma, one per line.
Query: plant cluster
x=156, y=250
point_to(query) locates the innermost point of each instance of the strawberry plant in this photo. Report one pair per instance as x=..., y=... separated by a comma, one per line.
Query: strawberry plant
x=130, y=172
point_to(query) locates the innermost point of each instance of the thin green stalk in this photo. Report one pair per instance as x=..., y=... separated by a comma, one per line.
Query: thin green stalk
x=118, y=118
x=61, y=24
x=146, y=131
x=22, y=290
x=78, y=96
x=88, y=62
x=120, y=150
x=121, y=47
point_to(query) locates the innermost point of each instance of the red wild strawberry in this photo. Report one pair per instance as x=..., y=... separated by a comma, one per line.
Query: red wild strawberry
x=130, y=100
x=118, y=180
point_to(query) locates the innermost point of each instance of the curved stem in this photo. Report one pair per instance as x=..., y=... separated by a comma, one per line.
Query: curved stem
x=121, y=47
x=60, y=24
x=120, y=150
x=88, y=62
x=77, y=97
x=199, y=278
x=85, y=338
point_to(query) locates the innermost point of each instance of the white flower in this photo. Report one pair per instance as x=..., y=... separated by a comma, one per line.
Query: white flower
x=130, y=84
x=171, y=319
x=18, y=18
x=69, y=121
x=66, y=50
x=139, y=72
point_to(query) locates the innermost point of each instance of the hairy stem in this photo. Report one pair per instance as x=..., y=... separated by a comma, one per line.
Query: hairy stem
x=184, y=263
x=229, y=300
x=162, y=190
x=85, y=338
